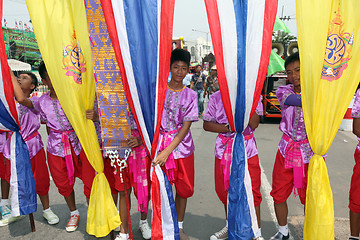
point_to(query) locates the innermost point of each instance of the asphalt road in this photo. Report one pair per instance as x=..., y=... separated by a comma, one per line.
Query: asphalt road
x=205, y=214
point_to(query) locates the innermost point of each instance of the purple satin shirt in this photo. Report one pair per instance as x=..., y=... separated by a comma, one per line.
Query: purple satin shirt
x=180, y=106
x=292, y=123
x=29, y=122
x=53, y=115
x=2, y=141
x=215, y=112
x=355, y=112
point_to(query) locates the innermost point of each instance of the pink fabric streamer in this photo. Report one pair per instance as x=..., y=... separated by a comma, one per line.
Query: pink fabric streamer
x=68, y=156
x=137, y=166
x=170, y=162
x=226, y=159
x=294, y=160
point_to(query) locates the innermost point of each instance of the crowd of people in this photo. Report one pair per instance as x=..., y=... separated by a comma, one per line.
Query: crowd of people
x=184, y=104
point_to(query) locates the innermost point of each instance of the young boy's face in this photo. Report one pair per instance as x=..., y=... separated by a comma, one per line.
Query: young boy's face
x=47, y=81
x=25, y=82
x=293, y=73
x=178, y=70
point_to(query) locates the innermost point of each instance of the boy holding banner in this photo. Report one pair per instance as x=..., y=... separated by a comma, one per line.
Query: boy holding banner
x=294, y=151
x=215, y=120
x=354, y=197
x=176, y=146
x=65, y=155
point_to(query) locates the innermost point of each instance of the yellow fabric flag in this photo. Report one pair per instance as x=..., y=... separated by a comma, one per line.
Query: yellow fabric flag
x=329, y=46
x=62, y=34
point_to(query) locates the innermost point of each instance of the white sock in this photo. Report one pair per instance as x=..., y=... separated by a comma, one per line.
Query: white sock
x=76, y=212
x=227, y=225
x=143, y=221
x=46, y=210
x=4, y=202
x=284, y=230
x=124, y=235
x=181, y=225
x=258, y=234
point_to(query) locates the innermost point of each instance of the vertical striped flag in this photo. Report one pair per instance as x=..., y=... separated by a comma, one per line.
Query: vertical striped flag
x=241, y=32
x=141, y=34
x=22, y=183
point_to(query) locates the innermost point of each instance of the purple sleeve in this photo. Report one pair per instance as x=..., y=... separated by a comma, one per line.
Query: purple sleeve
x=355, y=112
x=260, y=108
x=191, y=112
x=210, y=112
x=35, y=103
x=293, y=100
x=43, y=118
x=282, y=93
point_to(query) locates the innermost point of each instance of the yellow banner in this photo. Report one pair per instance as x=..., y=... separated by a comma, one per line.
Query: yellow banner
x=328, y=37
x=62, y=34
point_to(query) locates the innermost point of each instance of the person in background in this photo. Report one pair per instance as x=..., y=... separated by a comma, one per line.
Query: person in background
x=212, y=83
x=198, y=84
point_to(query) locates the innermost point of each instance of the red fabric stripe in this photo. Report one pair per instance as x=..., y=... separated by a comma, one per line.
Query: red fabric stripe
x=215, y=30
x=166, y=29
x=6, y=77
x=111, y=25
x=156, y=226
x=269, y=20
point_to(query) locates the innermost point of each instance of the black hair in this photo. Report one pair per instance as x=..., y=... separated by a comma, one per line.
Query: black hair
x=180, y=55
x=42, y=70
x=292, y=58
x=34, y=79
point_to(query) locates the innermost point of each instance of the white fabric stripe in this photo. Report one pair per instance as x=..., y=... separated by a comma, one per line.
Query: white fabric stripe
x=250, y=197
x=15, y=208
x=158, y=65
x=229, y=42
x=3, y=99
x=254, y=38
x=167, y=229
x=119, y=15
x=2, y=127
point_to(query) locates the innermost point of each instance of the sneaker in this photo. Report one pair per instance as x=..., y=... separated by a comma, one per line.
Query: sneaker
x=119, y=237
x=51, y=217
x=220, y=235
x=5, y=211
x=72, y=225
x=145, y=230
x=6, y=221
x=183, y=235
x=259, y=238
x=279, y=236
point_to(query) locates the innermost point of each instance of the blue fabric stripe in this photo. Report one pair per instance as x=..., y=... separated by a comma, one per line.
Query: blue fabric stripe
x=172, y=206
x=6, y=120
x=240, y=7
x=142, y=28
x=239, y=218
x=25, y=178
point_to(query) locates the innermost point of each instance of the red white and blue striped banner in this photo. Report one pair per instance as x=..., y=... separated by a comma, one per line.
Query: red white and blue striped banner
x=241, y=32
x=141, y=34
x=23, y=198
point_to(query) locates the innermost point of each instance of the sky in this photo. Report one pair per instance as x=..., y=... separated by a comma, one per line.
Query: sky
x=190, y=19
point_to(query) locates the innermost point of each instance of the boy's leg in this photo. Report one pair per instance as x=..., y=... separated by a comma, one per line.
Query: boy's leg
x=282, y=185
x=354, y=197
x=87, y=173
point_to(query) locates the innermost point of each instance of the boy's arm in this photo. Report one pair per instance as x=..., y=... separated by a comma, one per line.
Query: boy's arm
x=19, y=94
x=356, y=126
x=254, y=121
x=163, y=155
x=215, y=127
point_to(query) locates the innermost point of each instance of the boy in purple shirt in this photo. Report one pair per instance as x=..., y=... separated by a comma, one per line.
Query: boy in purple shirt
x=354, y=195
x=215, y=120
x=65, y=155
x=176, y=147
x=29, y=122
x=294, y=151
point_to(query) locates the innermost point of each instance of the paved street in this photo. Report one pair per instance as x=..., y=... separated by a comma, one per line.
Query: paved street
x=205, y=214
